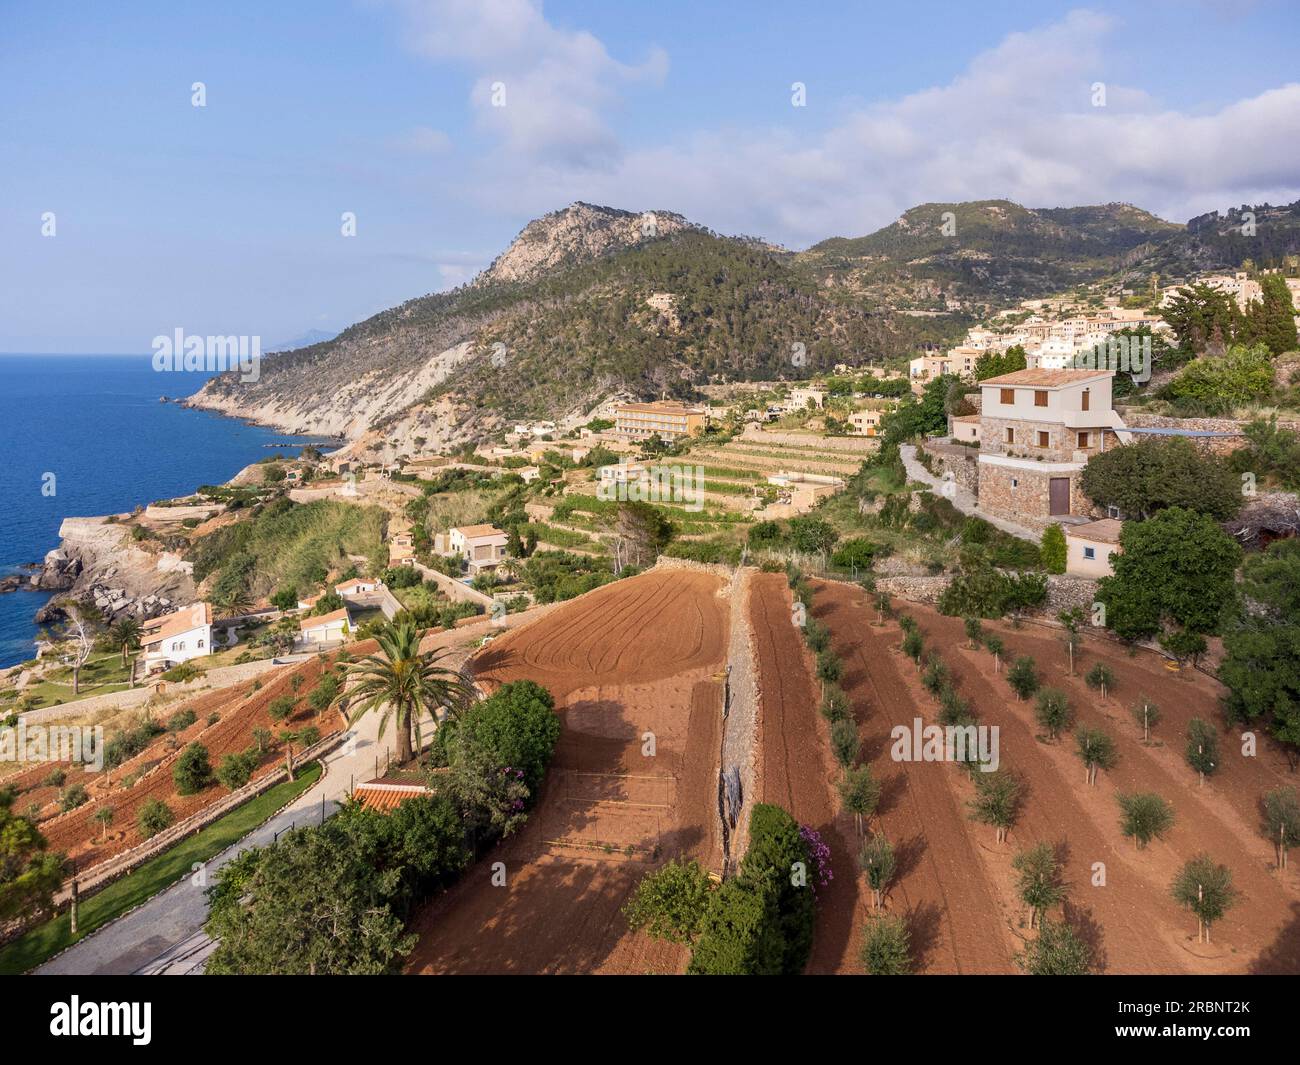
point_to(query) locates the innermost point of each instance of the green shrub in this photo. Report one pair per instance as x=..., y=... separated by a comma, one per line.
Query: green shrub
x=192, y=771
x=1023, y=677
x=1053, y=549
x=236, y=769
x=154, y=816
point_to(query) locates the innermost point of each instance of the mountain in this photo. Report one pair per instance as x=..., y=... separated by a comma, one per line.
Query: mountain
x=312, y=336
x=559, y=321
x=564, y=317
x=986, y=253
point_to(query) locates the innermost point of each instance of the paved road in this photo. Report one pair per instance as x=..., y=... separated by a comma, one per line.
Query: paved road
x=164, y=936
x=160, y=935
x=962, y=498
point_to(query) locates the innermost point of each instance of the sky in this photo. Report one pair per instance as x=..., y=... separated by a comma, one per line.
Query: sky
x=443, y=126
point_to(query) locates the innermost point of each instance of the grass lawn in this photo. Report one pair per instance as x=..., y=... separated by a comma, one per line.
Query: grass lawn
x=46, y=940
x=101, y=674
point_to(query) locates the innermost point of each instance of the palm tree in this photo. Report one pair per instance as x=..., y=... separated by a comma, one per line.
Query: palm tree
x=125, y=632
x=405, y=683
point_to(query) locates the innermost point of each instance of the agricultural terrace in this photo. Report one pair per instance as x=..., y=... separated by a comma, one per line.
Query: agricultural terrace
x=639, y=657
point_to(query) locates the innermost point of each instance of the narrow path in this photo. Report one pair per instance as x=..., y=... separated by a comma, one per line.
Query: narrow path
x=961, y=498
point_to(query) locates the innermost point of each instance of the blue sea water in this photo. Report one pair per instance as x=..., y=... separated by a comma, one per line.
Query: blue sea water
x=95, y=423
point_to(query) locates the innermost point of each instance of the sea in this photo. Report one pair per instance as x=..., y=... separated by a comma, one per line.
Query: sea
x=85, y=435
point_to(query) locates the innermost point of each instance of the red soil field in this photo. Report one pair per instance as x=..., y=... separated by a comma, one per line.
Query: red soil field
x=240, y=711
x=1132, y=923
x=636, y=656
x=951, y=911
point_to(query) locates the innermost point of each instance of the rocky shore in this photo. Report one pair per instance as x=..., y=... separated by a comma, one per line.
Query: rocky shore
x=98, y=563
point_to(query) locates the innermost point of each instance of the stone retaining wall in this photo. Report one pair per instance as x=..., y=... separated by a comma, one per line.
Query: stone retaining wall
x=1063, y=592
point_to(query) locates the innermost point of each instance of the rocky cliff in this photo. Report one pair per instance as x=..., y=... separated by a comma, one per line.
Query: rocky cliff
x=98, y=562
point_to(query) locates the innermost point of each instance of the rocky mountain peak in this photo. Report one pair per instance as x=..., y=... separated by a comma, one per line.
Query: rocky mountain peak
x=575, y=234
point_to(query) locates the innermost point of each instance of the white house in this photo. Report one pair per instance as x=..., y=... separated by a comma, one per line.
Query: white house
x=1089, y=547
x=357, y=586
x=801, y=397
x=175, y=638
x=326, y=628
x=483, y=546
x=617, y=473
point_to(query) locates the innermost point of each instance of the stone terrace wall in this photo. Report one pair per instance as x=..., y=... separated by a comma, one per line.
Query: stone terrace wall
x=1063, y=592
x=1222, y=445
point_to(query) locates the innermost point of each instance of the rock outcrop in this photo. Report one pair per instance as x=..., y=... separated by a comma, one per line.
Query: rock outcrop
x=98, y=563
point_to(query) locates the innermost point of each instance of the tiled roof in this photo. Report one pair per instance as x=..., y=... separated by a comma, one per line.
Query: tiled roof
x=386, y=797
x=325, y=619
x=1046, y=378
x=1105, y=531
x=169, y=625
x=473, y=532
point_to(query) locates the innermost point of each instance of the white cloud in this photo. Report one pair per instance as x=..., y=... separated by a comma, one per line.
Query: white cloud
x=544, y=92
x=1018, y=122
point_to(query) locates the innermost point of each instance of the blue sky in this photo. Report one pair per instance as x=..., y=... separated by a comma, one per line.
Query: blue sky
x=226, y=218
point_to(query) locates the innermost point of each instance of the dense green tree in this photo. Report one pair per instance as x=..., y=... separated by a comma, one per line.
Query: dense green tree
x=1144, y=816
x=996, y=363
x=30, y=874
x=860, y=794
x=997, y=801
x=1058, y=951
x=1178, y=567
x=1144, y=478
x=1201, y=316
x=516, y=727
x=192, y=771
x=1282, y=821
x=670, y=903
x=1261, y=667
x=886, y=946
x=1023, y=677
x=1096, y=749
x=1217, y=384
x=1052, y=711
x=1038, y=880
x=1053, y=549
x=1270, y=320
x=879, y=865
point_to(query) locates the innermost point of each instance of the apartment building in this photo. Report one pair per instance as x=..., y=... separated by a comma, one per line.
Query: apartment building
x=664, y=419
x=801, y=398
x=1038, y=428
x=959, y=360
x=866, y=422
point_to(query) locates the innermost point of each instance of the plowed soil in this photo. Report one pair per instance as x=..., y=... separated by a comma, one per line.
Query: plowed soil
x=961, y=883
x=240, y=710
x=952, y=912
x=633, y=663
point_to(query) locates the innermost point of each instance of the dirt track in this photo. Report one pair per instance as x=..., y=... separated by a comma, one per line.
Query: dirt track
x=637, y=656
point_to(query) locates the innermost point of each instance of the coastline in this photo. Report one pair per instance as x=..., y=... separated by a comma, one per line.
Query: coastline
x=97, y=479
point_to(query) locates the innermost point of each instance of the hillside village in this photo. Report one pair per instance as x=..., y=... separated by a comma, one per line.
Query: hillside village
x=1027, y=484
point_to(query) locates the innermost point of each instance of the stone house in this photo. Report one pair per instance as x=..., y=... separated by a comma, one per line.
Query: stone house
x=1037, y=430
